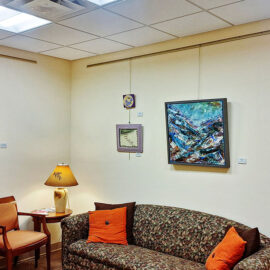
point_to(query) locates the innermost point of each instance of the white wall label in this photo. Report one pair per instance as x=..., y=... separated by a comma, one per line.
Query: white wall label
x=242, y=161
x=3, y=145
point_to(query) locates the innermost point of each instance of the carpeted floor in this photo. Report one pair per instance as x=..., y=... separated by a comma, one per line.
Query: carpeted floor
x=56, y=263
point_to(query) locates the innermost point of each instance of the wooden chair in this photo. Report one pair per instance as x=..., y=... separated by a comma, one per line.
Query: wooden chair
x=13, y=241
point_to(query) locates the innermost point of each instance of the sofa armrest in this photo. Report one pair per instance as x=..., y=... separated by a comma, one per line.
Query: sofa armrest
x=74, y=228
x=259, y=261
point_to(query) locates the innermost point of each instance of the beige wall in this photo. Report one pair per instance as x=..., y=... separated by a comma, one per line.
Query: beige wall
x=35, y=122
x=35, y=113
x=237, y=70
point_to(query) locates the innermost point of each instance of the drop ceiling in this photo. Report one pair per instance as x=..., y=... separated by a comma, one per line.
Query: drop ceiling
x=81, y=29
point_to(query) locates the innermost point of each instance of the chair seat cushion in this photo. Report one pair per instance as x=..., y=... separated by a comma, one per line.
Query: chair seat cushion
x=19, y=239
x=126, y=257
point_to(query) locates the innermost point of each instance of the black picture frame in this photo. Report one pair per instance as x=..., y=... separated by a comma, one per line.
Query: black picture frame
x=203, y=156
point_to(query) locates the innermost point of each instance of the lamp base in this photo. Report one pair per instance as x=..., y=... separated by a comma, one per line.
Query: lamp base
x=60, y=199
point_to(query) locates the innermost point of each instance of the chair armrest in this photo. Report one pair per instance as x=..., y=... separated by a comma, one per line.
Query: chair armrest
x=259, y=261
x=74, y=228
x=43, y=220
x=3, y=231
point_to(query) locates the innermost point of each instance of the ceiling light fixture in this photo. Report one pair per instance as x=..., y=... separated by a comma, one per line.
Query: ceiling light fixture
x=101, y=2
x=16, y=21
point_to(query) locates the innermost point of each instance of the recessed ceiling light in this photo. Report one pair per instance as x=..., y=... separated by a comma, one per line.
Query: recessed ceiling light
x=15, y=21
x=102, y=2
x=6, y=13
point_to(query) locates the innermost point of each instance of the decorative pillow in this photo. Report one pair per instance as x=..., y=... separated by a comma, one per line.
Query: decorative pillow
x=227, y=253
x=108, y=226
x=130, y=215
x=252, y=236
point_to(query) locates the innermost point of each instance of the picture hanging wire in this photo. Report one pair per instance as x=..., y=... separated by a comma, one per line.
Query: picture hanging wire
x=130, y=85
x=130, y=76
x=199, y=72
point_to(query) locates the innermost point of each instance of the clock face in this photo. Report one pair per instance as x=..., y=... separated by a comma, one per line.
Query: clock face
x=128, y=138
x=129, y=101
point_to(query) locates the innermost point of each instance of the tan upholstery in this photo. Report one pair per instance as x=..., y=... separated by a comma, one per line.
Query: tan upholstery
x=14, y=242
x=8, y=216
x=18, y=239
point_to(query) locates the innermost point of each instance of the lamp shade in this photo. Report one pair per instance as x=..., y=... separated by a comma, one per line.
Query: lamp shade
x=62, y=176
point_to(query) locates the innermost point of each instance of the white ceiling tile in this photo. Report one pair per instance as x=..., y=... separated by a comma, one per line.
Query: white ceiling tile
x=213, y=3
x=59, y=34
x=100, y=46
x=141, y=36
x=192, y=24
x=4, y=34
x=68, y=53
x=244, y=12
x=153, y=11
x=27, y=44
x=101, y=22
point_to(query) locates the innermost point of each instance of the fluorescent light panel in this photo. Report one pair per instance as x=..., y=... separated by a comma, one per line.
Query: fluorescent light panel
x=101, y=2
x=16, y=21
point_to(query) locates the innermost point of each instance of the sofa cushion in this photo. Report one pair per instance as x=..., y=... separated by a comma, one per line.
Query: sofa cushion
x=227, y=253
x=252, y=236
x=126, y=257
x=85, y=264
x=171, y=230
x=184, y=233
x=130, y=215
x=108, y=226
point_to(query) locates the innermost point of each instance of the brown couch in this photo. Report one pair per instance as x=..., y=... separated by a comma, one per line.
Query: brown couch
x=164, y=238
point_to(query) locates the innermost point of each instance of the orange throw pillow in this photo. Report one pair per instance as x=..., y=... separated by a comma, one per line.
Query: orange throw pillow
x=108, y=226
x=227, y=253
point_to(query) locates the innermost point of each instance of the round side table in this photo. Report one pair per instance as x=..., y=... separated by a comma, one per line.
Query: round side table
x=50, y=218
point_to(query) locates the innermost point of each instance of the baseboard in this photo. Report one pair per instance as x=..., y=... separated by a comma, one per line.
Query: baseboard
x=31, y=255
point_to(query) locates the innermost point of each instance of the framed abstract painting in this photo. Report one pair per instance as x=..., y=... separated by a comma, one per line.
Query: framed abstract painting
x=197, y=133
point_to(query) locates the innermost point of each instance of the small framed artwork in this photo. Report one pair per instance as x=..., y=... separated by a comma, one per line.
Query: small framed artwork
x=197, y=133
x=129, y=138
x=129, y=101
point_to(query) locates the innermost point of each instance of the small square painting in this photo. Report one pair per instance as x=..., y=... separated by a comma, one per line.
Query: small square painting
x=129, y=101
x=129, y=138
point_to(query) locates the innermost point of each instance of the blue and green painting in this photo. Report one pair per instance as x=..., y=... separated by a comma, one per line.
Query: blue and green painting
x=196, y=133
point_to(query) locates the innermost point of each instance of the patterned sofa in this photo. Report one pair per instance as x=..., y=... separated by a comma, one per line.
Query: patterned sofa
x=164, y=238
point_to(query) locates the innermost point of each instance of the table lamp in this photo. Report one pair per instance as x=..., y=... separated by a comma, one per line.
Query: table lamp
x=61, y=177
